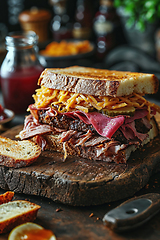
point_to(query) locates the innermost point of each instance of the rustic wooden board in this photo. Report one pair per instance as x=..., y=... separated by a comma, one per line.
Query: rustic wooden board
x=79, y=181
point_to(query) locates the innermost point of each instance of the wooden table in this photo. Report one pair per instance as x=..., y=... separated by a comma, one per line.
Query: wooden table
x=86, y=222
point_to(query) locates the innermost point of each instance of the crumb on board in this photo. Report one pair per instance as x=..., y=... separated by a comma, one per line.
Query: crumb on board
x=58, y=209
x=91, y=215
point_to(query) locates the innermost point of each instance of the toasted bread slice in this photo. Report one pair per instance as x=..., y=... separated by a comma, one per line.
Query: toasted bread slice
x=6, y=197
x=18, y=153
x=92, y=152
x=96, y=82
x=15, y=213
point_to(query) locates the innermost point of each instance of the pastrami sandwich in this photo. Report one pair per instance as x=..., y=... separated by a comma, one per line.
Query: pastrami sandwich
x=93, y=113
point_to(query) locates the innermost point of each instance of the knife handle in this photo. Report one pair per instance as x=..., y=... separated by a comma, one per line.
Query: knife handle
x=132, y=213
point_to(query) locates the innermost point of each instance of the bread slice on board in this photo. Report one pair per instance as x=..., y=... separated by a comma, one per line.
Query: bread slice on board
x=15, y=213
x=18, y=153
x=96, y=82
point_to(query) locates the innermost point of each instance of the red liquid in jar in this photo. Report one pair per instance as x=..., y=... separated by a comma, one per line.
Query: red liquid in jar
x=19, y=86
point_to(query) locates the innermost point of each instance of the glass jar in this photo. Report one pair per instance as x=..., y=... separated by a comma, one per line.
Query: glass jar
x=20, y=71
x=36, y=20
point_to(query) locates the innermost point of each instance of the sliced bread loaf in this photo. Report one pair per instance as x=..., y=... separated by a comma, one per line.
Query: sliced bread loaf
x=92, y=81
x=18, y=153
x=15, y=213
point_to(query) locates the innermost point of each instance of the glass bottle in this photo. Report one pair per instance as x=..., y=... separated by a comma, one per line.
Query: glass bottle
x=20, y=71
x=104, y=27
x=60, y=25
x=83, y=20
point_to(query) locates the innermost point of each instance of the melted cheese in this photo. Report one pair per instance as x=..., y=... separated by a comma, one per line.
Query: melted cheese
x=65, y=101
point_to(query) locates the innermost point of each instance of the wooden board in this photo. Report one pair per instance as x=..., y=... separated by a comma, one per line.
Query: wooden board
x=79, y=181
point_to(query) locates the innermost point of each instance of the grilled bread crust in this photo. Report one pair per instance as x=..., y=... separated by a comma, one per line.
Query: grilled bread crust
x=96, y=82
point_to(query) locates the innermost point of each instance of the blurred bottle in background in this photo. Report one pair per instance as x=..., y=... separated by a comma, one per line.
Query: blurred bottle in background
x=20, y=71
x=61, y=25
x=157, y=44
x=83, y=19
x=105, y=26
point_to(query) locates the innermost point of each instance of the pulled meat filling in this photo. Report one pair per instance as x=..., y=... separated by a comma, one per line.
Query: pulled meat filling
x=92, y=135
x=64, y=122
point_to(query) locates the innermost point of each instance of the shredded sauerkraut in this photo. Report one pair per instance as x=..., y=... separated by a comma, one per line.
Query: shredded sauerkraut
x=65, y=101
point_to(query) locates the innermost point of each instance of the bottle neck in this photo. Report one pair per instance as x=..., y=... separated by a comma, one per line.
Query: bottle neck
x=59, y=6
x=22, y=50
x=21, y=41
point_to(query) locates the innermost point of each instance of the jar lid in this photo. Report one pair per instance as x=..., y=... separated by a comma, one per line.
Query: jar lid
x=34, y=15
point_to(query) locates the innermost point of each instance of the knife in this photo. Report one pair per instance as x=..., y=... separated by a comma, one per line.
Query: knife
x=133, y=212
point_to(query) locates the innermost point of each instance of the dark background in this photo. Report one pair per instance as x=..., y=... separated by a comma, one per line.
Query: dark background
x=10, y=9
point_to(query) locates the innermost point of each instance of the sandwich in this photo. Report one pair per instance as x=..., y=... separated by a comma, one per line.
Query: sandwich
x=92, y=113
